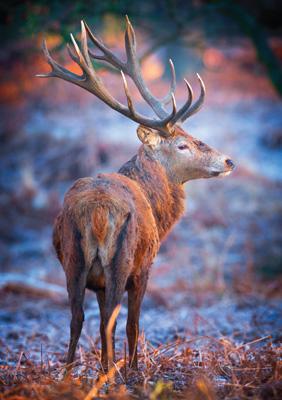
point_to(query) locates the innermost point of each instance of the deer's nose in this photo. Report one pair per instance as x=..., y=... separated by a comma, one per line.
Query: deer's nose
x=229, y=163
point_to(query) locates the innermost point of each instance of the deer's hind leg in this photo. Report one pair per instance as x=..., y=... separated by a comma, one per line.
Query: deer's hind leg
x=76, y=291
x=76, y=274
x=101, y=301
x=116, y=276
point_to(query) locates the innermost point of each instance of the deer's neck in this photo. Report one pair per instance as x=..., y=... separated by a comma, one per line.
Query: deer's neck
x=165, y=197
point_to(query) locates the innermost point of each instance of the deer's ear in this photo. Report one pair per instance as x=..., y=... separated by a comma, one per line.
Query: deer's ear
x=148, y=136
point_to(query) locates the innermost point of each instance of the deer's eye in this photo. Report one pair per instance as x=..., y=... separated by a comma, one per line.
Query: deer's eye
x=183, y=146
x=201, y=145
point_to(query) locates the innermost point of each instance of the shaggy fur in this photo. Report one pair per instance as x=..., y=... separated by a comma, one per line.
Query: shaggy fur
x=108, y=234
x=111, y=227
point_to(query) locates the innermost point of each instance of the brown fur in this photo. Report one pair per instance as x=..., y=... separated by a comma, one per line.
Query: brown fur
x=111, y=227
x=94, y=214
x=100, y=223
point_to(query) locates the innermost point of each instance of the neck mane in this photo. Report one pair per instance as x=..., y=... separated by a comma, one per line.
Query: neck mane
x=166, y=198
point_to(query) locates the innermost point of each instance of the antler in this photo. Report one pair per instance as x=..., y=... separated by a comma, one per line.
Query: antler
x=90, y=81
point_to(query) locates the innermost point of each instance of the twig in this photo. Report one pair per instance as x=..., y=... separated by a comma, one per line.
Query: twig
x=125, y=367
x=102, y=380
x=18, y=363
x=109, y=331
x=99, y=360
x=48, y=364
x=41, y=358
x=118, y=371
x=254, y=341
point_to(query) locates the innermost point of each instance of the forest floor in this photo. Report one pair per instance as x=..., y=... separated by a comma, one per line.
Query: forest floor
x=227, y=346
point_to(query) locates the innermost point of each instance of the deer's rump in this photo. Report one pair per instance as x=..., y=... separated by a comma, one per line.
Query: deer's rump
x=113, y=220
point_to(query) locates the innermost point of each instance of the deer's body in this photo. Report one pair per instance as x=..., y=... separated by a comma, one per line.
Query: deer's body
x=110, y=228
x=109, y=232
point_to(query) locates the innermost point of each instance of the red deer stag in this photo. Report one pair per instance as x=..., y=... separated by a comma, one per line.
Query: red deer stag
x=111, y=227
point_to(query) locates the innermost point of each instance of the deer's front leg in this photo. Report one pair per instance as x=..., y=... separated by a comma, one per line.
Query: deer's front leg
x=135, y=297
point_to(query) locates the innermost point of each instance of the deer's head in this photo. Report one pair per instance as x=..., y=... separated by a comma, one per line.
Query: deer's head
x=183, y=156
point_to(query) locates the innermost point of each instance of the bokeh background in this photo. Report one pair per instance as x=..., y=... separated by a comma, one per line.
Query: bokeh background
x=219, y=271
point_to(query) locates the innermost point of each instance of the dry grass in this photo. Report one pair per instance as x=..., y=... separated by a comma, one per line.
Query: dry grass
x=196, y=368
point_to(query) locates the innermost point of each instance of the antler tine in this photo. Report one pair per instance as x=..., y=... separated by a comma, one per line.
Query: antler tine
x=174, y=107
x=93, y=76
x=128, y=97
x=79, y=56
x=88, y=80
x=72, y=55
x=130, y=42
x=108, y=54
x=166, y=123
x=161, y=125
x=132, y=68
x=186, y=105
x=134, y=71
x=171, y=91
x=84, y=46
x=198, y=104
x=58, y=70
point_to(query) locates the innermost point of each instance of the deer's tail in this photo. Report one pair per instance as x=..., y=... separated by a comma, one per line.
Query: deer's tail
x=100, y=223
x=111, y=230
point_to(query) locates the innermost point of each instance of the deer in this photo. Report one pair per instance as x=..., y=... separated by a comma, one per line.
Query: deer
x=110, y=228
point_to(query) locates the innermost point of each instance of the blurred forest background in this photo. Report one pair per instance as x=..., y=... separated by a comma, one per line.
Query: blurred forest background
x=212, y=313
